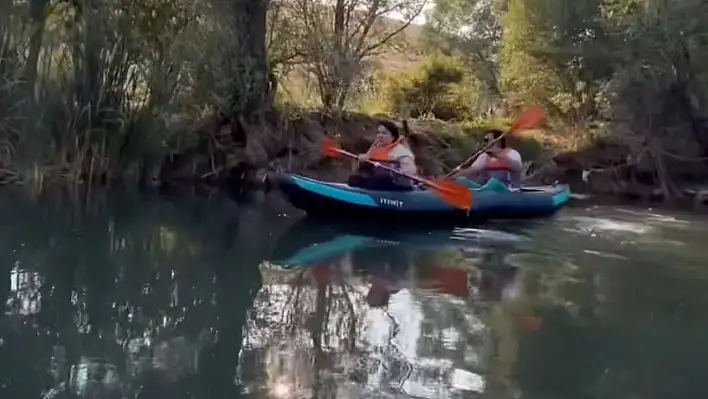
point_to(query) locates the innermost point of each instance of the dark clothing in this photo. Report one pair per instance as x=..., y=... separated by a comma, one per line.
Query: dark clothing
x=379, y=183
x=372, y=178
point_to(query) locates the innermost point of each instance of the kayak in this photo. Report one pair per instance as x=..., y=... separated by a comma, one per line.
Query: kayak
x=317, y=197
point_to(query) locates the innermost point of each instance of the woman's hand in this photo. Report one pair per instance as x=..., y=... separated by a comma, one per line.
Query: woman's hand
x=494, y=152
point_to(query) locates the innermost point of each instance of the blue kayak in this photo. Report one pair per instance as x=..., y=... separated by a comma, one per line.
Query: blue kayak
x=341, y=200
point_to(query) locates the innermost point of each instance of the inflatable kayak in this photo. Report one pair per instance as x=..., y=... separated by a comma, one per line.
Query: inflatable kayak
x=341, y=200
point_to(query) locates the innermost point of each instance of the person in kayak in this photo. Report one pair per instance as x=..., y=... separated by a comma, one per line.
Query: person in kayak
x=388, y=149
x=499, y=164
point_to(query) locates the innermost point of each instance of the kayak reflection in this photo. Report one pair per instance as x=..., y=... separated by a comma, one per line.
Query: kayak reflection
x=396, y=312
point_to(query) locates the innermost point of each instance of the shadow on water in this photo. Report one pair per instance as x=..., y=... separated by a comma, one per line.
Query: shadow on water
x=156, y=296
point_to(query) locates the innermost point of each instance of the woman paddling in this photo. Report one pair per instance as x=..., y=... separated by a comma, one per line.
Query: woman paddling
x=388, y=149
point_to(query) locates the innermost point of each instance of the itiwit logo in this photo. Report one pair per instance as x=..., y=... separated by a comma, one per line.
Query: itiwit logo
x=391, y=202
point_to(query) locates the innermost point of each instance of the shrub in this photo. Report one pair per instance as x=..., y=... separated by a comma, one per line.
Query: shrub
x=440, y=87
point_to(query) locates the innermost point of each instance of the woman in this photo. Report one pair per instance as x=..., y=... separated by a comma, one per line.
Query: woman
x=388, y=150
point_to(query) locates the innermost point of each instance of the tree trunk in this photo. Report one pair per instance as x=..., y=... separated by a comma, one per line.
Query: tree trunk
x=251, y=80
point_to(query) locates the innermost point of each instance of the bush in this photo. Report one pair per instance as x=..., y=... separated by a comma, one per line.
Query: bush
x=441, y=87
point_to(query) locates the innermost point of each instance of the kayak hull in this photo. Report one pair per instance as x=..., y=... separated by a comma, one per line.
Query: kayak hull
x=319, y=198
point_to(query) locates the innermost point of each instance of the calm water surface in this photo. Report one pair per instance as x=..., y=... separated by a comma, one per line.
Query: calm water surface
x=128, y=296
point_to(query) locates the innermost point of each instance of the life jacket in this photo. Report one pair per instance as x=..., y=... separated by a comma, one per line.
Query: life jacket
x=382, y=153
x=495, y=164
x=499, y=169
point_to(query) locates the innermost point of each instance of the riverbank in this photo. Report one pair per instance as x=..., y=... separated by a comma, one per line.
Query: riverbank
x=226, y=153
x=292, y=143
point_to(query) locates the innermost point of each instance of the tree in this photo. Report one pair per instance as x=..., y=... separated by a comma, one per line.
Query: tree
x=243, y=53
x=549, y=55
x=472, y=31
x=338, y=40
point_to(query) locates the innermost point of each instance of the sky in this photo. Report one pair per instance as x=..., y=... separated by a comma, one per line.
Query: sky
x=420, y=19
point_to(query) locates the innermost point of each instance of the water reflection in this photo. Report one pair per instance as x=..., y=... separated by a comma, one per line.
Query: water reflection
x=410, y=312
x=142, y=297
x=145, y=299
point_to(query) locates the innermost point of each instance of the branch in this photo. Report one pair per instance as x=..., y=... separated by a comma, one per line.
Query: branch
x=395, y=32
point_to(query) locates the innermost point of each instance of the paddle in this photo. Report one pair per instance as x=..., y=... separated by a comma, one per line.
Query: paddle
x=532, y=117
x=451, y=192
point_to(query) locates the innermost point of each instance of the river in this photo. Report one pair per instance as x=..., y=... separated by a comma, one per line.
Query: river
x=176, y=296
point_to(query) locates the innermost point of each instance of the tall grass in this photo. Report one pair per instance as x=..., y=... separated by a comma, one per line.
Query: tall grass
x=110, y=77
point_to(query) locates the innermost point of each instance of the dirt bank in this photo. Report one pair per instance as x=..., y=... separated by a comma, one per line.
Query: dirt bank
x=612, y=170
x=222, y=152
x=230, y=152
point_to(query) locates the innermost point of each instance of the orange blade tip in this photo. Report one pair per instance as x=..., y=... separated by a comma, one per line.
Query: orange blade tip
x=532, y=117
x=330, y=147
x=454, y=194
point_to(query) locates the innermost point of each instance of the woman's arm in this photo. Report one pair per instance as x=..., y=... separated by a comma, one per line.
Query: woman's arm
x=407, y=165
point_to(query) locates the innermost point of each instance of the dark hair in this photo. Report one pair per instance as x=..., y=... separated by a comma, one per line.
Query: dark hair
x=496, y=134
x=392, y=128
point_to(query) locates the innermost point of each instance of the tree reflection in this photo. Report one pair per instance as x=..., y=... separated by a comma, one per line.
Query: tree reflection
x=146, y=298
x=302, y=328
x=371, y=322
x=138, y=300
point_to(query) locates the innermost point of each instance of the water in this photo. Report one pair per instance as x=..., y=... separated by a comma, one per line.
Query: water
x=128, y=296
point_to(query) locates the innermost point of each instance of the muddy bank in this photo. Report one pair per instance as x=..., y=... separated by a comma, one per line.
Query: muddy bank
x=230, y=152
x=220, y=152
x=610, y=171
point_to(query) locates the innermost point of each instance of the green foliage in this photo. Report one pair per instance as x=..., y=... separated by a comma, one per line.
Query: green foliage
x=102, y=85
x=469, y=30
x=105, y=89
x=440, y=86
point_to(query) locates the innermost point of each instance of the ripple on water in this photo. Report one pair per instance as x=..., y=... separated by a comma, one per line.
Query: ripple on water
x=486, y=234
x=603, y=254
x=597, y=224
x=655, y=217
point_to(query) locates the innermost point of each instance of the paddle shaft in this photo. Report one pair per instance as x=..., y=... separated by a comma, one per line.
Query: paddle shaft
x=385, y=167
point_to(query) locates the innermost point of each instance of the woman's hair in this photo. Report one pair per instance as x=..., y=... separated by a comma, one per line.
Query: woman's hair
x=392, y=128
x=496, y=134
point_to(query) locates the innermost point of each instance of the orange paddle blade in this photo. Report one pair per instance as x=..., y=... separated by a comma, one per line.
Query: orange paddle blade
x=452, y=193
x=532, y=117
x=330, y=148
